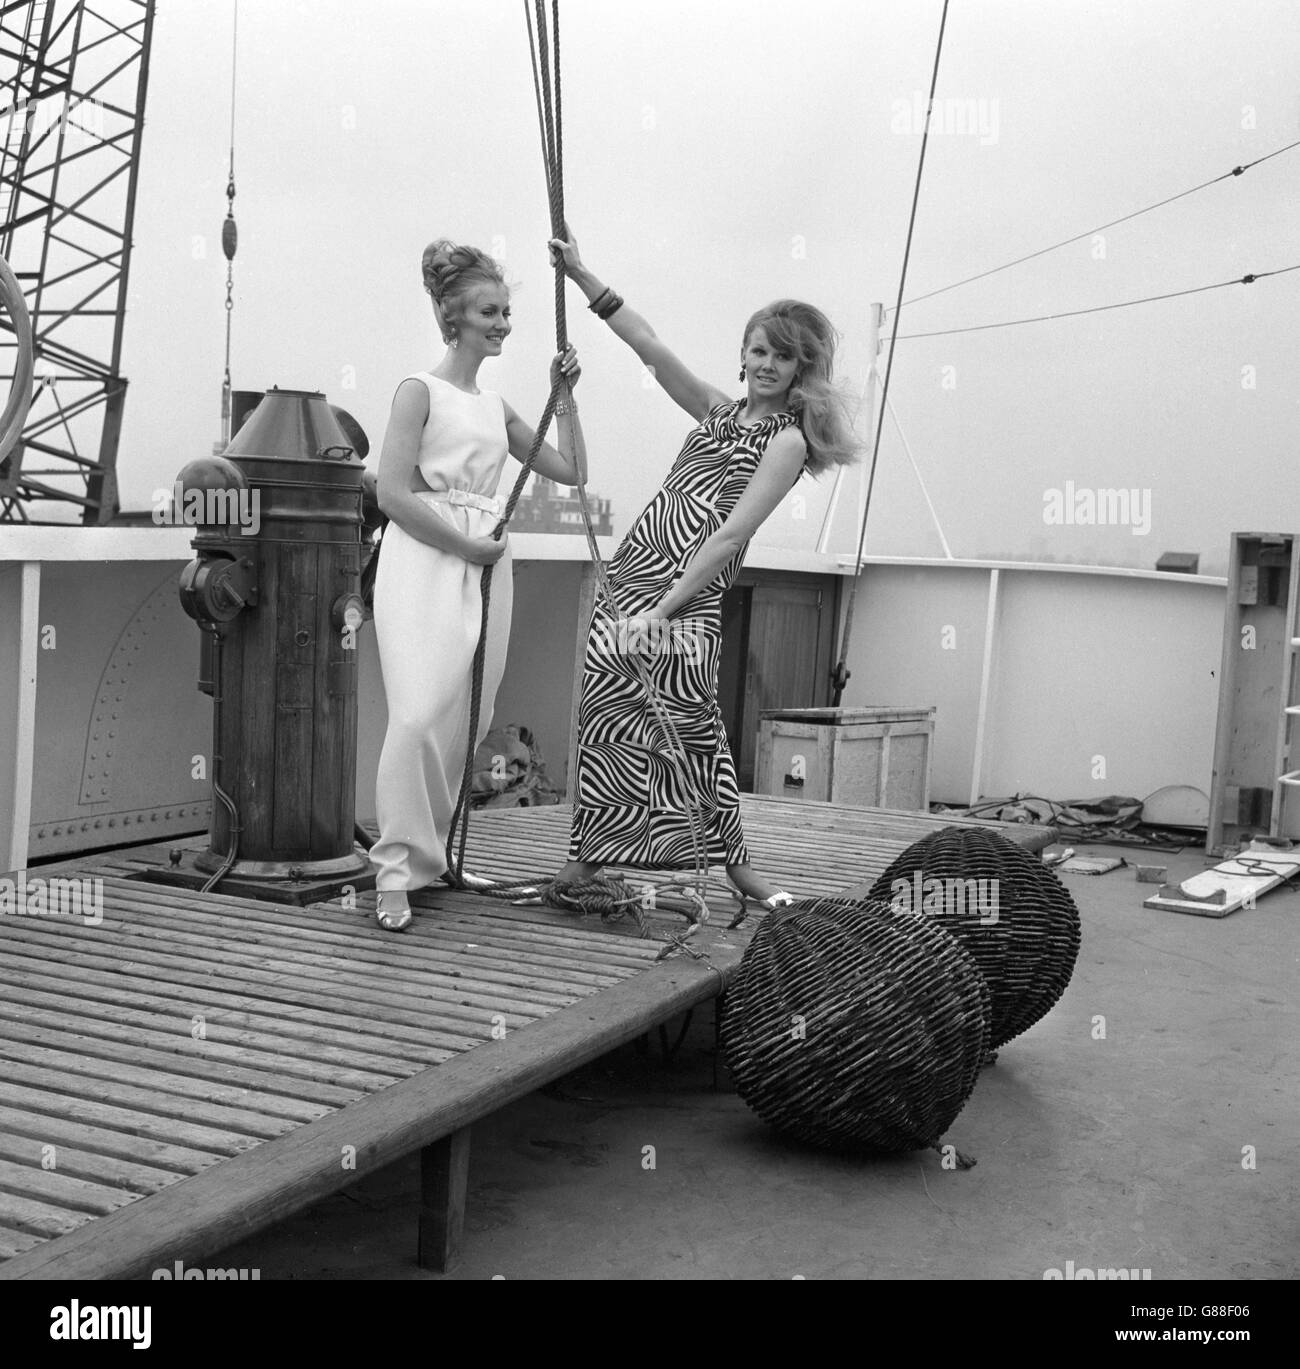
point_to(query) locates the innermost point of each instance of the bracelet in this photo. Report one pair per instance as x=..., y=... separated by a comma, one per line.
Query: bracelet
x=566, y=406
x=611, y=308
x=594, y=306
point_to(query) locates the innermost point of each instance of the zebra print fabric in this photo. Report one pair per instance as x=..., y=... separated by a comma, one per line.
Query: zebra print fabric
x=631, y=804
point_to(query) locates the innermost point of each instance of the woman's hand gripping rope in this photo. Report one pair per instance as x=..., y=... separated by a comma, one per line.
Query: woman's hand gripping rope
x=565, y=369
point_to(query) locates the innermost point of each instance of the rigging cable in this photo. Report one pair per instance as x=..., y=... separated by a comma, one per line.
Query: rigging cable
x=1042, y=251
x=230, y=236
x=840, y=674
x=229, y=241
x=1249, y=279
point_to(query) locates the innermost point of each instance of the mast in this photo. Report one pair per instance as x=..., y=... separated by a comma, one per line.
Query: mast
x=868, y=403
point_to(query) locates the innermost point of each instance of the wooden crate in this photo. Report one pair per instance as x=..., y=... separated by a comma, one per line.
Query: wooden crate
x=876, y=757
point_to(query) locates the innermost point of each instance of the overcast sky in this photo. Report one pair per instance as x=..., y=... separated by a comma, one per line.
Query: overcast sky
x=719, y=155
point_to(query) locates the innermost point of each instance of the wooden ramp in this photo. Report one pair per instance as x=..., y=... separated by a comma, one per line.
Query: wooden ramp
x=187, y=1069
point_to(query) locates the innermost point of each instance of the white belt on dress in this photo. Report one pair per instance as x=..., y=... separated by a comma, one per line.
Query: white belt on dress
x=488, y=503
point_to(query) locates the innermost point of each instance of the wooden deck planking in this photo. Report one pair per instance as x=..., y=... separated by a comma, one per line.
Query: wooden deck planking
x=248, y=1048
x=86, y=1164
x=48, y=1094
x=99, y=1066
x=30, y=1216
x=28, y=1130
x=63, y=1190
x=364, y=982
x=352, y=930
x=153, y=1077
x=17, y=1243
x=205, y=1010
x=437, y=1026
x=443, y=1002
x=811, y=849
x=243, y=1195
x=220, y=1119
x=320, y=1031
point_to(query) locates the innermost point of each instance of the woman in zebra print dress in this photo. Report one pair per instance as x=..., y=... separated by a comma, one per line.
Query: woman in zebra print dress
x=668, y=577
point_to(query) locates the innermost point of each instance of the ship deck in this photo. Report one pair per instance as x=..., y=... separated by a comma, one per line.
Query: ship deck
x=197, y=1067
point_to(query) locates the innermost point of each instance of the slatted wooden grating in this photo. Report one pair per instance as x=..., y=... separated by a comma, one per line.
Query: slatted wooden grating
x=188, y=1070
x=809, y=848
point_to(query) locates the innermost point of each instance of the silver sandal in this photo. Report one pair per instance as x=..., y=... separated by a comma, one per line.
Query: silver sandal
x=780, y=899
x=393, y=919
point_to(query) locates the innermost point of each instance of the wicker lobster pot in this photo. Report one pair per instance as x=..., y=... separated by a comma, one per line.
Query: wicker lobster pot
x=851, y=1026
x=1017, y=920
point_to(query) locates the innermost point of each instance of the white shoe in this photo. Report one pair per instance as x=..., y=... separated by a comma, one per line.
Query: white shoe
x=393, y=910
x=780, y=899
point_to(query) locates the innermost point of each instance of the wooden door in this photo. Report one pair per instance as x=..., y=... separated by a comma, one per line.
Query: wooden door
x=777, y=639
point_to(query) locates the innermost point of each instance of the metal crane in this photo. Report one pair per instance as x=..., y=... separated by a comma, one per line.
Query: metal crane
x=71, y=116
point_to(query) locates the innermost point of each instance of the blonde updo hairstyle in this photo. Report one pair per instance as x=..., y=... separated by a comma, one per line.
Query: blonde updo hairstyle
x=450, y=272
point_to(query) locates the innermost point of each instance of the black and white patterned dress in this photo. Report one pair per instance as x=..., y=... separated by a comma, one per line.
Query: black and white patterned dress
x=630, y=806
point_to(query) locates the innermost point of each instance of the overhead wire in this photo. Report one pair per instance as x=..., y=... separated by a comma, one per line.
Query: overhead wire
x=1248, y=279
x=1101, y=228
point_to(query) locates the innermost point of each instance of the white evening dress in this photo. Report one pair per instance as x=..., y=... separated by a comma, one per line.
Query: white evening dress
x=428, y=612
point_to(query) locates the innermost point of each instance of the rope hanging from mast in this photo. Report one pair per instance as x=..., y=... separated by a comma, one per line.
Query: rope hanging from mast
x=840, y=674
x=605, y=894
x=230, y=237
x=460, y=814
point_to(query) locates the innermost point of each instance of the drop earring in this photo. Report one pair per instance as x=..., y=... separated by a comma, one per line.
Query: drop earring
x=742, y=370
x=455, y=342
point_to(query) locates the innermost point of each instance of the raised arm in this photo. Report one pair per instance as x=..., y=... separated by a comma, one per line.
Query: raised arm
x=568, y=464
x=683, y=386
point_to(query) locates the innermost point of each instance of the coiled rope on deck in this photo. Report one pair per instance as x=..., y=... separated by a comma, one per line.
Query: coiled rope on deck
x=608, y=895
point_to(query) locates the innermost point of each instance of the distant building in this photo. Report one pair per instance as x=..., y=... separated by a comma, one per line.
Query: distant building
x=548, y=507
x=545, y=507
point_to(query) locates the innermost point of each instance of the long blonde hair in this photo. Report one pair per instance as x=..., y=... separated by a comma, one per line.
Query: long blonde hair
x=806, y=334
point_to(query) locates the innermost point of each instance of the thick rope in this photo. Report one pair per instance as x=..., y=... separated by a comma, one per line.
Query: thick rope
x=551, y=129
x=553, y=155
x=606, y=894
x=461, y=810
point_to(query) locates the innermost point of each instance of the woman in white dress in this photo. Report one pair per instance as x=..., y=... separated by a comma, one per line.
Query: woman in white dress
x=446, y=443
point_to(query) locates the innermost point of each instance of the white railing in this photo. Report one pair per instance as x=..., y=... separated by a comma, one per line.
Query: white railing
x=1062, y=680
